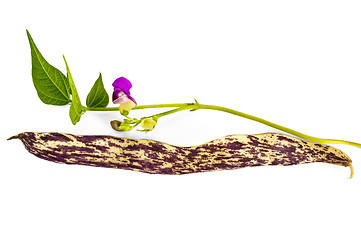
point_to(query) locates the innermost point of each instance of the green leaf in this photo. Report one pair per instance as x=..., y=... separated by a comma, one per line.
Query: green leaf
x=97, y=97
x=76, y=109
x=50, y=83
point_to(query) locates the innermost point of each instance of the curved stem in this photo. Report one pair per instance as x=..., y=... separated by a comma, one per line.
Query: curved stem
x=195, y=106
x=279, y=127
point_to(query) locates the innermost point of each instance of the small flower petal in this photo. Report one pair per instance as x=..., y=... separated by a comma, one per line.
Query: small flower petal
x=119, y=97
x=124, y=84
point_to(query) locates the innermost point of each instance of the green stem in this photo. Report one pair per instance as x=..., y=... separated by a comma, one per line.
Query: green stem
x=131, y=119
x=142, y=107
x=279, y=127
x=195, y=106
x=173, y=111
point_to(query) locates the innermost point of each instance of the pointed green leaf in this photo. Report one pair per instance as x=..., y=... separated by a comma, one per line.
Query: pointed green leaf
x=76, y=109
x=50, y=83
x=97, y=97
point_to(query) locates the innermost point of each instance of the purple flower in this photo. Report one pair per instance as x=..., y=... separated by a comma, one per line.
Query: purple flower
x=121, y=92
x=121, y=95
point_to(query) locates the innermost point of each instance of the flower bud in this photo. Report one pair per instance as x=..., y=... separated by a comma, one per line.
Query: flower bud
x=124, y=128
x=120, y=126
x=148, y=123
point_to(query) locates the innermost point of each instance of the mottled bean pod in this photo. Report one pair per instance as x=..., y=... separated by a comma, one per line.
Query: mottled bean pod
x=149, y=156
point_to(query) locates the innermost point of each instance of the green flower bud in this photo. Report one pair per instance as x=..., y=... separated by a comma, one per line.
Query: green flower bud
x=148, y=123
x=124, y=128
x=120, y=126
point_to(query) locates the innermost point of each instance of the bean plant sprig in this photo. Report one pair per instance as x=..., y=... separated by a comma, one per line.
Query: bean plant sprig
x=55, y=88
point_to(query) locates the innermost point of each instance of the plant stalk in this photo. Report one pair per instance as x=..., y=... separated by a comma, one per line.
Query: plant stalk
x=195, y=106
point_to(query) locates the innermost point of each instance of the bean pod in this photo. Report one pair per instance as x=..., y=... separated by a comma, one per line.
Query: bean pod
x=150, y=156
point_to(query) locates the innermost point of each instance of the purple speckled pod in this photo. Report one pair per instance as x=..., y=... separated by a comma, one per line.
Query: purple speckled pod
x=149, y=156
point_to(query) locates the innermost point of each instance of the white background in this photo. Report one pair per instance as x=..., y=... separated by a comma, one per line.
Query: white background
x=295, y=63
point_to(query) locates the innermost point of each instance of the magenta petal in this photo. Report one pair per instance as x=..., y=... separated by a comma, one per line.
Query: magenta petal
x=120, y=97
x=130, y=97
x=117, y=93
x=123, y=84
x=121, y=92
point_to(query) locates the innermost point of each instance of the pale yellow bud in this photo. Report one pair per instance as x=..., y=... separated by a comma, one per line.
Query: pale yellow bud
x=148, y=124
x=125, y=108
